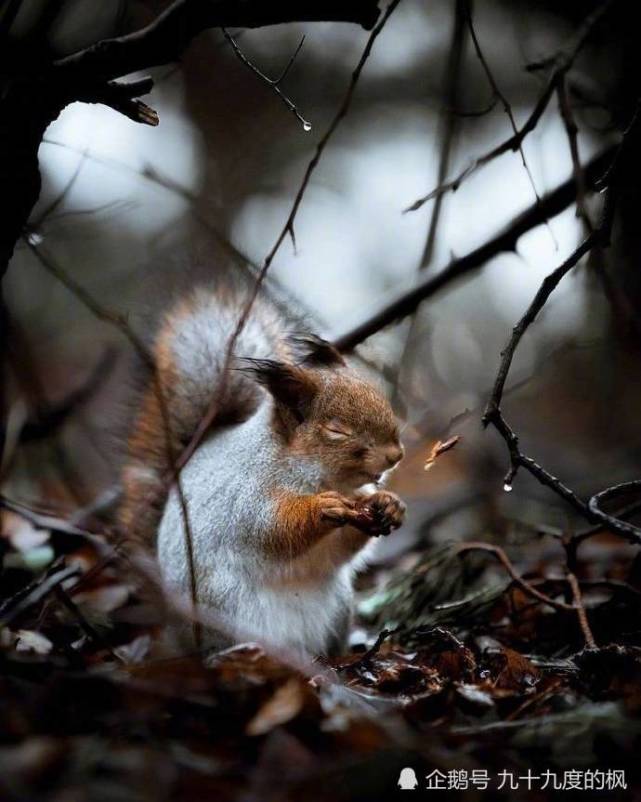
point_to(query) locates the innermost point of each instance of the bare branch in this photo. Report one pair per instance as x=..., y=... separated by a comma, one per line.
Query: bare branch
x=562, y=64
x=578, y=39
x=502, y=557
x=493, y=413
x=571, y=130
x=551, y=205
x=166, y=38
x=507, y=108
x=34, y=97
x=581, y=613
x=120, y=323
x=546, y=289
x=611, y=521
x=273, y=84
x=448, y=129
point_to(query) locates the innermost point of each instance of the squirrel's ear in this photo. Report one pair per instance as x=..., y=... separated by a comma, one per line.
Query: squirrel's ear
x=290, y=385
x=315, y=351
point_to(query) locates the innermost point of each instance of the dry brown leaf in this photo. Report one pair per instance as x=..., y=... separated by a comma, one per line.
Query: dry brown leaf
x=284, y=705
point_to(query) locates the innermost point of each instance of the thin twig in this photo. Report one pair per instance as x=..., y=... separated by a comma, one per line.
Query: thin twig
x=273, y=84
x=551, y=204
x=120, y=323
x=448, y=128
x=538, y=302
x=572, y=131
x=562, y=64
x=35, y=592
x=91, y=632
x=502, y=557
x=578, y=39
x=493, y=414
x=507, y=108
x=288, y=229
x=581, y=613
x=448, y=120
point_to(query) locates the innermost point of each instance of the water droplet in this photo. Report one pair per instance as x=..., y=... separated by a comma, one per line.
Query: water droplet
x=34, y=238
x=507, y=487
x=307, y=126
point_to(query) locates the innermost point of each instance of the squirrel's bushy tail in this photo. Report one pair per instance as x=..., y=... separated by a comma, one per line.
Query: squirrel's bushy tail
x=190, y=351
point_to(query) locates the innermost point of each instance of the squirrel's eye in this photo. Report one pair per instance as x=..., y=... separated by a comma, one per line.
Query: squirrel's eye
x=335, y=434
x=336, y=431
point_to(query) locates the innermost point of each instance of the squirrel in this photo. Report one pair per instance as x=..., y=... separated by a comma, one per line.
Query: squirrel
x=285, y=490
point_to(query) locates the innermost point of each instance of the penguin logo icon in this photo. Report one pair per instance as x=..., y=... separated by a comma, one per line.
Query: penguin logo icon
x=407, y=780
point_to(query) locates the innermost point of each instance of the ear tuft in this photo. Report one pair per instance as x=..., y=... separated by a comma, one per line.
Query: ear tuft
x=290, y=385
x=314, y=351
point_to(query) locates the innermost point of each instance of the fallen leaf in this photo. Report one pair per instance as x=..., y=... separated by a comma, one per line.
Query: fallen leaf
x=516, y=671
x=284, y=705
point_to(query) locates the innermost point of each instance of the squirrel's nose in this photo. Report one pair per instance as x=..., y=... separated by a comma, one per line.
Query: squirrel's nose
x=393, y=457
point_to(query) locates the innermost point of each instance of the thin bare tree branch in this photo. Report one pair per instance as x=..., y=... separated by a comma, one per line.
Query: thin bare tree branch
x=507, y=108
x=36, y=95
x=288, y=229
x=581, y=613
x=562, y=64
x=614, y=522
x=272, y=83
x=502, y=557
x=493, y=415
x=120, y=323
x=551, y=205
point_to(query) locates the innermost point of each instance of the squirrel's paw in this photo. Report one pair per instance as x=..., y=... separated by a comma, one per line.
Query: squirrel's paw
x=387, y=510
x=336, y=508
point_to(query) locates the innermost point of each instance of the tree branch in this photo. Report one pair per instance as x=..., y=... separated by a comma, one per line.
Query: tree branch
x=288, y=228
x=168, y=36
x=562, y=63
x=493, y=415
x=551, y=204
x=35, y=98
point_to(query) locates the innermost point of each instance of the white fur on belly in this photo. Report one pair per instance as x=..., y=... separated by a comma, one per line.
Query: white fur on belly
x=302, y=619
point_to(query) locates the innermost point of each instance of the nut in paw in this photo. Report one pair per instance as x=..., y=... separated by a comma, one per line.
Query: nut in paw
x=387, y=511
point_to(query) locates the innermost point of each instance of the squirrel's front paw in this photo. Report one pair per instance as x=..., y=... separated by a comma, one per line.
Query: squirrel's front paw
x=387, y=511
x=335, y=508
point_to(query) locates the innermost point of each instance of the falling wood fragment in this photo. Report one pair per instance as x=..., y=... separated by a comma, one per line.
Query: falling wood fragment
x=439, y=448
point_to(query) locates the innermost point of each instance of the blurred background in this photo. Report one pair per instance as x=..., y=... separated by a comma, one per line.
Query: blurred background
x=133, y=213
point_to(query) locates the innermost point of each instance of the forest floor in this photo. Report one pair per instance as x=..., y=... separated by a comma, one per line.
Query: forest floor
x=459, y=678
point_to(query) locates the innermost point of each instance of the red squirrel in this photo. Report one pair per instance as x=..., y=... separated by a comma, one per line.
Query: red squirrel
x=284, y=492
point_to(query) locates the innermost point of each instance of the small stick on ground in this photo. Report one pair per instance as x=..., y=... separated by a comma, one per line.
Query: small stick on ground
x=580, y=611
x=525, y=586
